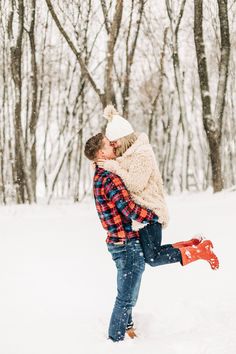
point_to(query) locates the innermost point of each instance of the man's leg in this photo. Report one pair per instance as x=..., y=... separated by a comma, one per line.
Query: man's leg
x=130, y=322
x=130, y=266
x=156, y=254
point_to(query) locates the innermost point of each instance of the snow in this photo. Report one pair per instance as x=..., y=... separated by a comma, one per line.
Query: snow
x=57, y=283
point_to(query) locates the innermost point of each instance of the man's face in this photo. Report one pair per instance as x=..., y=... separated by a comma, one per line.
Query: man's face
x=107, y=151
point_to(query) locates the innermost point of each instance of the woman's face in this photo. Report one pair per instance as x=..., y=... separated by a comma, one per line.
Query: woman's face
x=116, y=143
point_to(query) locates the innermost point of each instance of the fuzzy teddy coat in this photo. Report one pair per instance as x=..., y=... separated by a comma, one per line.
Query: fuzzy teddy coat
x=138, y=169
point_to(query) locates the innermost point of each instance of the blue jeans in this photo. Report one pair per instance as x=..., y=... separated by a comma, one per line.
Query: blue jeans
x=156, y=254
x=130, y=265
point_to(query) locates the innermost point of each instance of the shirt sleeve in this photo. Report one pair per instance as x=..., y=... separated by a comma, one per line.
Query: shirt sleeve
x=117, y=193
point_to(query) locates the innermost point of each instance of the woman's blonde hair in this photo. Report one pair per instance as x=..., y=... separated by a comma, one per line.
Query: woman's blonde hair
x=125, y=142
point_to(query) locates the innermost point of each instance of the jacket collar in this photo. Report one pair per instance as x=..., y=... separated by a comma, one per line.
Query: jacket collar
x=142, y=140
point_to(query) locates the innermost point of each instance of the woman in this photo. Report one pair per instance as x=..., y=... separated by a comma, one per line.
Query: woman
x=136, y=165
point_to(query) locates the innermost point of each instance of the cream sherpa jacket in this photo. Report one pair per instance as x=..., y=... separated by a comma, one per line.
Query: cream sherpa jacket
x=138, y=169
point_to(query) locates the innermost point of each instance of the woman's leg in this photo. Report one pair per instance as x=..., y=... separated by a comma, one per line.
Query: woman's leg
x=156, y=254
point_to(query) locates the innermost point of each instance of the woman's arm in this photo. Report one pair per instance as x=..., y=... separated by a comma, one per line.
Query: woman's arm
x=137, y=176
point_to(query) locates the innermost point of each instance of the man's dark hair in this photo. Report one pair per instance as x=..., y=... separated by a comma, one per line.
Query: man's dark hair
x=93, y=145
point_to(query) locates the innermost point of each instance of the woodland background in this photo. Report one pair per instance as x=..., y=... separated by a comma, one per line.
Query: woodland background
x=168, y=66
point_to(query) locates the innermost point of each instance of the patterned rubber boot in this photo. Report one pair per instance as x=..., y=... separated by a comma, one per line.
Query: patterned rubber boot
x=202, y=251
x=193, y=242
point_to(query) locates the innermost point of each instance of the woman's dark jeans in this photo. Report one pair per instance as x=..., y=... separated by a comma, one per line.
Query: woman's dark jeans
x=156, y=254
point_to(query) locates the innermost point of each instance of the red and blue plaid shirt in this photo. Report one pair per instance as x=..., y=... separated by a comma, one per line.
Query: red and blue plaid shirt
x=115, y=207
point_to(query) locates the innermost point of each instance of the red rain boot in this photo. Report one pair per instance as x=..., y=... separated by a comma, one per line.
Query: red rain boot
x=193, y=242
x=202, y=251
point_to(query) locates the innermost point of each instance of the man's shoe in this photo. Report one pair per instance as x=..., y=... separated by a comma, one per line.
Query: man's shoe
x=202, y=251
x=131, y=332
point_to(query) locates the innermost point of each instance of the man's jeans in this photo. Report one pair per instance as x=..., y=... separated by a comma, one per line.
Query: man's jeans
x=130, y=265
x=154, y=253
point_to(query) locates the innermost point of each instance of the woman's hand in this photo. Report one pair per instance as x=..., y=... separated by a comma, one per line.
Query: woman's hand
x=109, y=165
x=93, y=165
x=100, y=163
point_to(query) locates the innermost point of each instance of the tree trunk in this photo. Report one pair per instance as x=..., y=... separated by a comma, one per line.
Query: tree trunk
x=34, y=112
x=159, y=89
x=224, y=63
x=212, y=126
x=180, y=89
x=22, y=172
x=130, y=55
x=113, y=35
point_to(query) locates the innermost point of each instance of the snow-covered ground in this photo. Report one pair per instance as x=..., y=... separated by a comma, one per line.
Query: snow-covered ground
x=57, y=283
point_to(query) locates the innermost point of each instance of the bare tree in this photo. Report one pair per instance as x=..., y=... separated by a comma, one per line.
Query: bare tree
x=34, y=111
x=130, y=51
x=174, y=26
x=159, y=89
x=113, y=35
x=77, y=53
x=22, y=171
x=213, y=125
x=62, y=61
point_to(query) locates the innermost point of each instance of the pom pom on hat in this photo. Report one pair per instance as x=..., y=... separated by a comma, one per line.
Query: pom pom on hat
x=117, y=126
x=110, y=112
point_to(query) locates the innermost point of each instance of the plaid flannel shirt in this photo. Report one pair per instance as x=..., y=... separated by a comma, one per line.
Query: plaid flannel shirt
x=115, y=207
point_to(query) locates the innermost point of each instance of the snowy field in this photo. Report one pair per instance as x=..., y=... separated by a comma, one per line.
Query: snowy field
x=57, y=283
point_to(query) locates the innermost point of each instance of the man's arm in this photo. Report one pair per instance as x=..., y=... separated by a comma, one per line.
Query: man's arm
x=117, y=193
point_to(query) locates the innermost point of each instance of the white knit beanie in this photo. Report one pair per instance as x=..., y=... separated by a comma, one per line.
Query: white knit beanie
x=117, y=126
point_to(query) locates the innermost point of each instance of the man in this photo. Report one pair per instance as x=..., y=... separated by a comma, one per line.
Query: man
x=116, y=211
